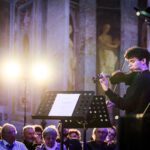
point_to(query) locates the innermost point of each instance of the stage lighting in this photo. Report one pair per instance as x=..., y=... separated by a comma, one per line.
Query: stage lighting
x=11, y=70
x=40, y=71
x=14, y=70
x=143, y=13
x=137, y=11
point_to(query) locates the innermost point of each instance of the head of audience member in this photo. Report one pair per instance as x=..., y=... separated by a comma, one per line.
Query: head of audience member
x=99, y=134
x=74, y=134
x=65, y=131
x=38, y=133
x=112, y=135
x=29, y=133
x=50, y=134
x=9, y=133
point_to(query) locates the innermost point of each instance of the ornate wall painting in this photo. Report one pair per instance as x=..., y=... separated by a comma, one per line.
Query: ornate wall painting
x=108, y=37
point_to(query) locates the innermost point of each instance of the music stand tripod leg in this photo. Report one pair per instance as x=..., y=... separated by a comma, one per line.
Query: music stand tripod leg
x=61, y=136
x=84, y=136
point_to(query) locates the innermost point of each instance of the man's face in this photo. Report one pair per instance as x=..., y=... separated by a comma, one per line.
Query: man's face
x=29, y=135
x=39, y=134
x=136, y=64
x=100, y=134
x=50, y=140
x=74, y=135
x=111, y=134
x=10, y=135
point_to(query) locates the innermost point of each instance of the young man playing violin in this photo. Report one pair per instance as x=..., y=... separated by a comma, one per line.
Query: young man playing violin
x=137, y=95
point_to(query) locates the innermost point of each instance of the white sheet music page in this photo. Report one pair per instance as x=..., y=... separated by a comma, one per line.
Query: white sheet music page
x=64, y=105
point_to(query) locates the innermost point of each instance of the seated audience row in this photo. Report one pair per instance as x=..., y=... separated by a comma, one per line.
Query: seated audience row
x=37, y=138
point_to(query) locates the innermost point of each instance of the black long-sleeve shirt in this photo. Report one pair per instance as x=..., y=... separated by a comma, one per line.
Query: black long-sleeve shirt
x=137, y=95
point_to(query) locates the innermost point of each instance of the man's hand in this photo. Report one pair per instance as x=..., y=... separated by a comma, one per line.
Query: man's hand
x=104, y=82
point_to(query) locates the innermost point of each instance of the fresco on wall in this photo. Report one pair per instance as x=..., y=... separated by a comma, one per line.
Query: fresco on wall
x=24, y=99
x=108, y=47
x=4, y=41
x=23, y=14
x=73, y=48
x=108, y=37
x=23, y=21
x=4, y=25
x=72, y=60
x=108, y=43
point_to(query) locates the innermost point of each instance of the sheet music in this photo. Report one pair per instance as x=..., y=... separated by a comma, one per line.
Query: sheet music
x=64, y=105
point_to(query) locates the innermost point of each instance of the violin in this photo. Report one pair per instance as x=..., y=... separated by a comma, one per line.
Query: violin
x=118, y=77
x=121, y=77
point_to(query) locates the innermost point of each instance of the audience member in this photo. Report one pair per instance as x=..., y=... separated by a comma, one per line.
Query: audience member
x=38, y=134
x=99, y=136
x=111, y=138
x=29, y=137
x=50, y=134
x=74, y=140
x=74, y=134
x=8, y=141
x=65, y=134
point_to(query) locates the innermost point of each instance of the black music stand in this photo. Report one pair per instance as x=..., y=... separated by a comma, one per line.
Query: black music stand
x=90, y=112
x=97, y=117
x=48, y=107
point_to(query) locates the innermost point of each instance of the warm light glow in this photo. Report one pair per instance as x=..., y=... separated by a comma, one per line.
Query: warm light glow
x=40, y=71
x=11, y=70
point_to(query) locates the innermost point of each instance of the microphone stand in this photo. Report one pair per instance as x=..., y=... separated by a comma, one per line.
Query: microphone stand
x=24, y=99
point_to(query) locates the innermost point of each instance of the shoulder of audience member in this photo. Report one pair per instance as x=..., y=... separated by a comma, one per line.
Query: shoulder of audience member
x=41, y=147
x=59, y=145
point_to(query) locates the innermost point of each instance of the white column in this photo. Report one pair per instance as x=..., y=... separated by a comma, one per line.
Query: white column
x=88, y=42
x=58, y=41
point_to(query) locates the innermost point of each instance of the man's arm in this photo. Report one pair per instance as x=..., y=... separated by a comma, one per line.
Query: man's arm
x=131, y=97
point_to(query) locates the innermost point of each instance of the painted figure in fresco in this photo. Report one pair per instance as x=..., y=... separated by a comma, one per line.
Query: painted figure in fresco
x=107, y=50
x=137, y=95
x=72, y=62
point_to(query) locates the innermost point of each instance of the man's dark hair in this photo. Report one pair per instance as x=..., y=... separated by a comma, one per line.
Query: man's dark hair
x=139, y=53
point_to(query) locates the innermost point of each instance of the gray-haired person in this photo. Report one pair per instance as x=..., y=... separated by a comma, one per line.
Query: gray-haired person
x=8, y=141
x=50, y=135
